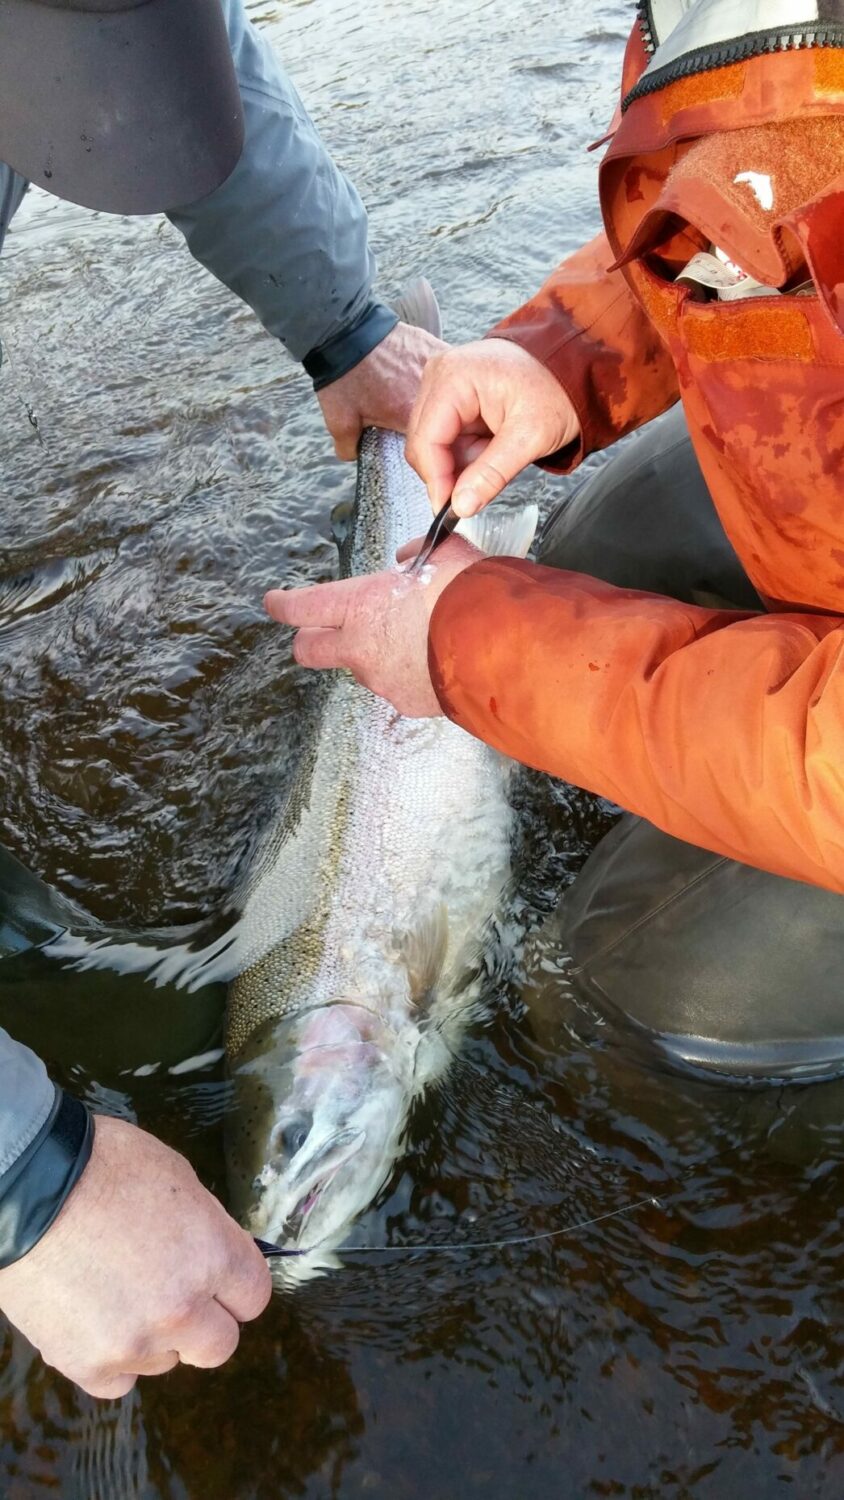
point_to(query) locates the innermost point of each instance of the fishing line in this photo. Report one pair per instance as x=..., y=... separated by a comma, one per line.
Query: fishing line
x=269, y=1250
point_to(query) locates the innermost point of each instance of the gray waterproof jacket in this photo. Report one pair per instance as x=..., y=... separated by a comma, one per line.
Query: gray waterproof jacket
x=287, y=232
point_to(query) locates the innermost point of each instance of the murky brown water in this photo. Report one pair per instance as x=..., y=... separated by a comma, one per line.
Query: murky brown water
x=161, y=464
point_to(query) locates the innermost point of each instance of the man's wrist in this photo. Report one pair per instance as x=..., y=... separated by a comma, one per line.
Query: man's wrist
x=340, y=354
x=35, y=1187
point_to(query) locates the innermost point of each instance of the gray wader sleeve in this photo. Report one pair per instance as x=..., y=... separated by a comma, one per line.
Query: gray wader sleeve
x=287, y=231
x=45, y=1135
x=45, y=1143
x=12, y=189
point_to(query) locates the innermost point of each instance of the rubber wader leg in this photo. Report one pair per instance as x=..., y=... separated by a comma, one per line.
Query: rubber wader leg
x=722, y=965
x=727, y=967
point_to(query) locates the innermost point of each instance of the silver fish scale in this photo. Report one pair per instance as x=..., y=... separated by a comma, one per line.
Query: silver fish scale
x=393, y=826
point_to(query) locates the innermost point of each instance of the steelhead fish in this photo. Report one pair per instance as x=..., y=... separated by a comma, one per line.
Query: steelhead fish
x=365, y=918
x=354, y=966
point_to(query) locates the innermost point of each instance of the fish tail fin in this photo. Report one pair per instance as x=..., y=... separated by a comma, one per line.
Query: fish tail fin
x=418, y=306
x=31, y=913
x=187, y=957
x=501, y=532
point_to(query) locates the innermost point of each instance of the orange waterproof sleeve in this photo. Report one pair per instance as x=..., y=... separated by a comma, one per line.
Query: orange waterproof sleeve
x=588, y=329
x=723, y=729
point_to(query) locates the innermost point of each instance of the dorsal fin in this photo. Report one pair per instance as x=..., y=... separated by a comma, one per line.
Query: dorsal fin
x=418, y=306
x=500, y=531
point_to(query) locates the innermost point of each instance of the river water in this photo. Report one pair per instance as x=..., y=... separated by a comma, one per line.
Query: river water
x=162, y=464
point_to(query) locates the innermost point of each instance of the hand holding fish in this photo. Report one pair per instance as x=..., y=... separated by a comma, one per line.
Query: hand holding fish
x=376, y=625
x=142, y=1269
x=381, y=390
x=484, y=412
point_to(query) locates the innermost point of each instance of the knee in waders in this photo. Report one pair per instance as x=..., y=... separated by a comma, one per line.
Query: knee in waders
x=719, y=965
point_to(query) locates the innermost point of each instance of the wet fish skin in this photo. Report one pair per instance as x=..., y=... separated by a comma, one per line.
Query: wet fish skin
x=362, y=927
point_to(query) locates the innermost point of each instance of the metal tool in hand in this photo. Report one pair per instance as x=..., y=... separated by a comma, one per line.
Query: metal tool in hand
x=268, y=1250
x=439, y=530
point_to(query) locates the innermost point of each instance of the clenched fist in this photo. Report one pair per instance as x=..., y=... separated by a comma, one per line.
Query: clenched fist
x=142, y=1269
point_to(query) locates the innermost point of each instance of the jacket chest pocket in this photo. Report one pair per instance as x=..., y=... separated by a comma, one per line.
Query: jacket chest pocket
x=776, y=328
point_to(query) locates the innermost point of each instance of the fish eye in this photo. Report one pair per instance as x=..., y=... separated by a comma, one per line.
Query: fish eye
x=292, y=1136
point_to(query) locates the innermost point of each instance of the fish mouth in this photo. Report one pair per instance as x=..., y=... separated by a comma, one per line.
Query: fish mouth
x=314, y=1177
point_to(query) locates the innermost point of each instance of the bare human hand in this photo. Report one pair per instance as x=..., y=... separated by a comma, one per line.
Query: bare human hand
x=142, y=1269
x=376, y=626
x=484, y=412
x=381, y=390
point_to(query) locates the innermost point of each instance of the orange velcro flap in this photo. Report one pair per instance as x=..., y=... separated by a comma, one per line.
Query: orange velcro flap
x=818, y=228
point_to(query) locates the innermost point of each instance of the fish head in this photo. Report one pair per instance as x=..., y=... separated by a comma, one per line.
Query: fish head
x=319, y=1120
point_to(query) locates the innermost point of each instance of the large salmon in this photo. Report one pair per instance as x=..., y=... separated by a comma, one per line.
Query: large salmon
x=354, y=965
x=365, y=920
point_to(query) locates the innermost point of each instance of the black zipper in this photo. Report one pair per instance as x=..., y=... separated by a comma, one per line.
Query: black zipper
x=643, y=15
x=721, y=54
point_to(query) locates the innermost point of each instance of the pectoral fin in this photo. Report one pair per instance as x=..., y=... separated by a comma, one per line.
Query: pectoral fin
x=422, y=951
x=418, y=306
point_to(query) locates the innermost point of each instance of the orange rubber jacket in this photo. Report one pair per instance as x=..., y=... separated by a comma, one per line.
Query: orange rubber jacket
x=724, y=729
